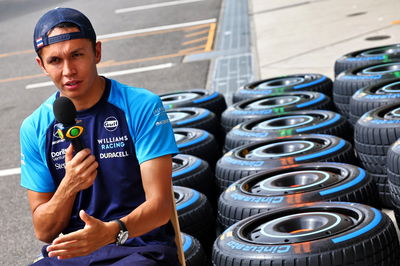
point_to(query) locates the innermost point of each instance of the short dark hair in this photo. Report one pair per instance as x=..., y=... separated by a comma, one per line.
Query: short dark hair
x=67, y=25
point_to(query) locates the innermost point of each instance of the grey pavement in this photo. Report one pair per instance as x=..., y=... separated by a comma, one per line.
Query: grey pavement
x=298, y=36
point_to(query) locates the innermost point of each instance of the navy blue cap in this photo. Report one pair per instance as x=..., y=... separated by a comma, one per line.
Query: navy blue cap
x=56, y=16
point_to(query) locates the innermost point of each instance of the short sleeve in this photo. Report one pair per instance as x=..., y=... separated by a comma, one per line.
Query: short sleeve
x=155, y=136
x=35, y=174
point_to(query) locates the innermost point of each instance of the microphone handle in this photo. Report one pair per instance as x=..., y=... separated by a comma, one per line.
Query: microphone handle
x=77, y=144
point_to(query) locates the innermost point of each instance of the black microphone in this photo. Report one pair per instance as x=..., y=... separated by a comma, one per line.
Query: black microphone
x=65, y=112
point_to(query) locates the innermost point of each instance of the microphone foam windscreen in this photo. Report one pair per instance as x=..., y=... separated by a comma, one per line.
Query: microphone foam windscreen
x=64, y=110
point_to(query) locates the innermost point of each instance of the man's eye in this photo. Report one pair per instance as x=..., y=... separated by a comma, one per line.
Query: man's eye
x=54, y=60
x=77, y=54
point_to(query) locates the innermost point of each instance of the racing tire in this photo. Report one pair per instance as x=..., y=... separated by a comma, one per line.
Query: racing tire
x=292, y=123
x=193, y=117
x=317, y=234
x=199, y=143
x=193, y=172
x=195, y=215
x=297, y=184
x=348, y=82
x=371, y=97
x=279, y=85
x=374, y=132
x=193, y=251
x=280, y=152
x=393, y=174
x=274, y=104
x=196, y=117
x=364, y=57
x=213, y=101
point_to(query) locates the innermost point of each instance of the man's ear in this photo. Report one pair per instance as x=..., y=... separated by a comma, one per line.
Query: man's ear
x=40, y=63
x=98, y=52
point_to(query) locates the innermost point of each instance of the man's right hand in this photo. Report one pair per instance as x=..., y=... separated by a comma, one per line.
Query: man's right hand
x=80, y=170
x=51, y=211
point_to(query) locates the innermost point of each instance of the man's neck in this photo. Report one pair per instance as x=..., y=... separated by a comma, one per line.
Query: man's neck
x=93, y=97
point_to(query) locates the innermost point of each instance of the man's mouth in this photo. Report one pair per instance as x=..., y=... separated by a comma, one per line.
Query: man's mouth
x=72, y=84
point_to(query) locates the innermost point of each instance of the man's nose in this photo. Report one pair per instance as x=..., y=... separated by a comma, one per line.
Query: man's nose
x=69, y=68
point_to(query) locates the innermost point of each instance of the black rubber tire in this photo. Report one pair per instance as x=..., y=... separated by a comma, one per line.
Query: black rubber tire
x=371, y=97
x=199, y=143
x=195, y=215
x=292, y=123
x=279, y=85
x=213, y=101
x=317, y=234
x=275, y=104
x=383, y=189
x=348, y=82
x=374, y=132
x=193, y=172
x=252, y=158
x=393, y=174
x=373, y=55
x=393, y=166
x=194, y=253
x=287, y=186
x=196, y=117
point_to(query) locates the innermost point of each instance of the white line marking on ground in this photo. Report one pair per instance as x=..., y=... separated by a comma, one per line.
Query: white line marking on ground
x=13, y=171
x=137, y=8
x=109, y=74
x=159, y=28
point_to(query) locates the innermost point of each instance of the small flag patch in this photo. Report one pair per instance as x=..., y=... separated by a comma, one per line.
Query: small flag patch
x=39, y=42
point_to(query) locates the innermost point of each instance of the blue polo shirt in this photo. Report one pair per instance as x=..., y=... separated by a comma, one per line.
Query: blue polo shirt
x=127, y=127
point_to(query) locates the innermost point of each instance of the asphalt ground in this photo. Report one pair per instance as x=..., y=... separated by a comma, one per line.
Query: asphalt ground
x=142, y=48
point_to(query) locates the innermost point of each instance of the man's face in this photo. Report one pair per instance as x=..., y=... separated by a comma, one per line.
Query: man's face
x=71, y=65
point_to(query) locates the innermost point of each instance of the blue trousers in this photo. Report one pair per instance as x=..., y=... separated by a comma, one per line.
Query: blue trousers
x=152, y=255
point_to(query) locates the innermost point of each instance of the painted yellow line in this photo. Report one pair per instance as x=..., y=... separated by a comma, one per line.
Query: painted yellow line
x=196, y=33
x=17, y=53
x=188, y=50
x=105, y=63
x=192, y=28
x=194, y=41
x=22, y=78
x=210, y=40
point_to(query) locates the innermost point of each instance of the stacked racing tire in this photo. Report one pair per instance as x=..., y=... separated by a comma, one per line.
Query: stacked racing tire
x=374, y=132
x=199, y=143
x=213, y=101
x=371, y=97
x=349, y=81
x=296, y=184
x=275, y=104
x=193, y=251
x=195, y=216
x=393, y=172
x=291, y=123
x=277, y=152
x=364, y=57
x=317, y=234
x=279, y=85
x=192, y=172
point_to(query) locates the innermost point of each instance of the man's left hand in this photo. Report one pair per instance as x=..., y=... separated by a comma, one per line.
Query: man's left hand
x=93, y=236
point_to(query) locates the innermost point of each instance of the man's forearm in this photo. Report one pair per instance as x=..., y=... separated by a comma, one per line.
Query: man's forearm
x=148, y=216
x=50, y=218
